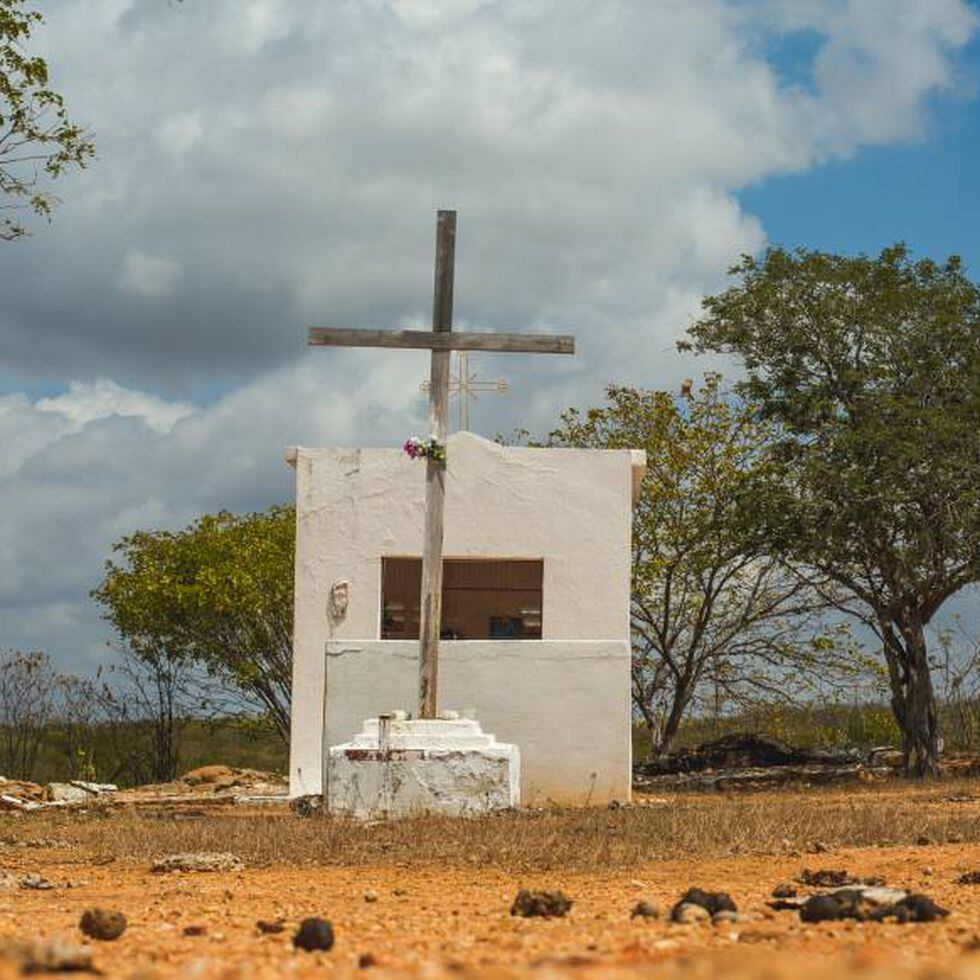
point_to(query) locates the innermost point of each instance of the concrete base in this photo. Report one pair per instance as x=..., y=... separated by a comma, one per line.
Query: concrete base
x=397, y=767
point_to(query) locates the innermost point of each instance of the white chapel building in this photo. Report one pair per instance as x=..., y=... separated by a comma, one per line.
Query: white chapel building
x=536, y=605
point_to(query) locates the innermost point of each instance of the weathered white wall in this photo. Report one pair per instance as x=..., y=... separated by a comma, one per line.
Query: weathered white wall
x=564, y=703
x=571, y=508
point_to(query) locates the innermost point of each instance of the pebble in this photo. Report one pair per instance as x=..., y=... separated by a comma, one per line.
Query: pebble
x=314, y=934
x=370, y=895
x=47, y=956
x=540, y=904
x=687, y=912
x=645, y=910
x=104, y=924
x=271, y=927
x=198, y=861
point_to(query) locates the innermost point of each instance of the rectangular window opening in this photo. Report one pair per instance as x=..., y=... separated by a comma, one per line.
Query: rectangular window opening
x=482, y=598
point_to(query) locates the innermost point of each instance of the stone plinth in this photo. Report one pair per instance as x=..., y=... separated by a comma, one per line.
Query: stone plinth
x=396, y=767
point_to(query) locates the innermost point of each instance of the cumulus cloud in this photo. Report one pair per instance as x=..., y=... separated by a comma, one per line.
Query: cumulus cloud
x=148, y=276
x=284, y=171
x=85, y=403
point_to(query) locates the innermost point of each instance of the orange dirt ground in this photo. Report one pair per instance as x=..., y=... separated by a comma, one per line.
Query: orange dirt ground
x=450, y=921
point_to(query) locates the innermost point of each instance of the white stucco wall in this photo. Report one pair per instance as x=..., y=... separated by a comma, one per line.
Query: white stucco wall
x=570, y=508
x=564, y=703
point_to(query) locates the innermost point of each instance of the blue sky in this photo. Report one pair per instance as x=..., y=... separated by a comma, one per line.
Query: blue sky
x=923, y=190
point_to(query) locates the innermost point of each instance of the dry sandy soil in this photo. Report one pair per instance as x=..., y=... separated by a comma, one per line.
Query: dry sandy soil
x=442, y=889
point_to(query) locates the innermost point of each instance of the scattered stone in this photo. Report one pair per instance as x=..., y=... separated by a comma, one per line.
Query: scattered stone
x=195, y=929
x=306, y=806
x=67, y=793
x=928, y=871
x=785, y=890
x=35, y=882
x=105, y=924
x=271, y=927
x=399, y=892
x=370, y=895
x=313, y=934
x=366, y=960
x=711, y=902
x=818, y=847
x=836, y=878
x=969, y=878
x=201, y=861
x=540, y=904
x=684, y=913
x=871, y=905
x=47, y=956
x=645, y=910
x=725, y=917
x=924, y=840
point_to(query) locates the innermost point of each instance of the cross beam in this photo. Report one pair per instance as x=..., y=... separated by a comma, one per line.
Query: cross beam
x=521, y=343
x=440, y=341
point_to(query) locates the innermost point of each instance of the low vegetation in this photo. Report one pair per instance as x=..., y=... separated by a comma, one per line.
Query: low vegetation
x=701, y=826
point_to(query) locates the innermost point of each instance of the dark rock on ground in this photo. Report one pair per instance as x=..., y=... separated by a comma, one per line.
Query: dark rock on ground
x=195, y=929
x=306, y=806
x=785, y=890
x=742, y=751
x=835, y=878
x=105, y=924
x=969, y=878
x=540, y=904
x=871, y=905
x=47, y=956
x=711, y=902
x=645, y=910
x=684, y=913
x=313, y=934
x=271, y=927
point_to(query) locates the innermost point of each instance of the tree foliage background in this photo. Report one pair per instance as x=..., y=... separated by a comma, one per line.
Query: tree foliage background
x=869, y=368
x=38, y=140
x=714, y=614
x=216, y=595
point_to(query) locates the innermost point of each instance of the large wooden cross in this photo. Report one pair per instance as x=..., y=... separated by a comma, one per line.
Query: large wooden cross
x=441, y=341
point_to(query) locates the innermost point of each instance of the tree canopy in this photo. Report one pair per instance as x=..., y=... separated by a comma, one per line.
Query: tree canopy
x=869, y=367
x=710, y=607
x=38, y=141
x=219, y=594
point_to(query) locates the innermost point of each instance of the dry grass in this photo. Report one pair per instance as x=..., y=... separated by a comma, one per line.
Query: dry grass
x=583, y=839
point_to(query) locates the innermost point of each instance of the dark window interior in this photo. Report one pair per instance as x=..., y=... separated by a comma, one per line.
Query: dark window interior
x=482, y=599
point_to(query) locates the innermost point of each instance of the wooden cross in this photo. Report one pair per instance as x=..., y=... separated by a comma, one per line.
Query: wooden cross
x=466, y=385
x=440, y=341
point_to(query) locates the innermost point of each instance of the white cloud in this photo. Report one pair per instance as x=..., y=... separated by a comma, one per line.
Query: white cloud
x=284, y=171
x=180, y=133
x=148, y=276
x=84, y=403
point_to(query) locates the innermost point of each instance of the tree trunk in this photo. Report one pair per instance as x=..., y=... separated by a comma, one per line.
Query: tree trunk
x=913, y=700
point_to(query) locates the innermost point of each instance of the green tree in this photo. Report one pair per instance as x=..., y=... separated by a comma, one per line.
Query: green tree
x=218, y=594
x=870, y=368
x=712, y=612
x=37, y=139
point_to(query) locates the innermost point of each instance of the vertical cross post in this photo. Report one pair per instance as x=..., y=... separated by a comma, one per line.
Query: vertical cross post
x=435, y=471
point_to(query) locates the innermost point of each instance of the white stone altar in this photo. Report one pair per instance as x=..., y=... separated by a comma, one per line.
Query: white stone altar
x=396, y=767
x=536, y=606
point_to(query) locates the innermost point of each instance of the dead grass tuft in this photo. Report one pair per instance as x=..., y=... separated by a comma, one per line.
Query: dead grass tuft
x=693, y=825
